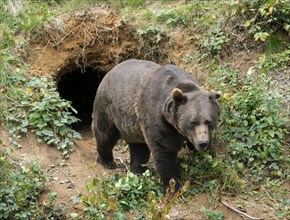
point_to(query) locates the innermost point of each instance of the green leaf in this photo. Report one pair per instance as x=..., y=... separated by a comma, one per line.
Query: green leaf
x=41, y=125
x=271, y=133
x=47, y=133
x=33, y=117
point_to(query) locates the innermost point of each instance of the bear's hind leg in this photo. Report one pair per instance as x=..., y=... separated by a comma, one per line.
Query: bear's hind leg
x=106, y=140
x=139, y=154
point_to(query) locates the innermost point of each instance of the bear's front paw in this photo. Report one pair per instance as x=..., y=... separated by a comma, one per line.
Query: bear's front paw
x=106, y=163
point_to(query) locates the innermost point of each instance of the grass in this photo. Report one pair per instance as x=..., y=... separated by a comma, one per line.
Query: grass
x=196, y=15
x=19, y=19
x=253, y=125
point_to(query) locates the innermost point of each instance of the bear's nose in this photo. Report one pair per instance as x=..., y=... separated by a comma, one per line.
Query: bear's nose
x=203, y=144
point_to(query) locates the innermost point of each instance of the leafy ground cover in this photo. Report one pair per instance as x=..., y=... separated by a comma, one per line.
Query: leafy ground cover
x=22, y=183
x=252, y=149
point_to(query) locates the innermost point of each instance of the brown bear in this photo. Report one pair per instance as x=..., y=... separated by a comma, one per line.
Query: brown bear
x=154, y=109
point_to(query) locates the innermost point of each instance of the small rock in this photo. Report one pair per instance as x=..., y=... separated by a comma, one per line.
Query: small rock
x=61, y=182
x=62, y=163
x=70, y=186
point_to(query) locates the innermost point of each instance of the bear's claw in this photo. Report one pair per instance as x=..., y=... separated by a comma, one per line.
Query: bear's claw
x=106, y=163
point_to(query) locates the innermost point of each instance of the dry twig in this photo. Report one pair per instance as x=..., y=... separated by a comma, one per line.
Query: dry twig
x=70, y=180
x=42, y=52
x=238, y=211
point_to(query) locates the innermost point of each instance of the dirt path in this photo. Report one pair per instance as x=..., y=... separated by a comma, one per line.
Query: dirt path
x=68, y=178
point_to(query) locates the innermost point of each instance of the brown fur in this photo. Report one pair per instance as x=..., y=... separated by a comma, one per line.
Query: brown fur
x=154, y=109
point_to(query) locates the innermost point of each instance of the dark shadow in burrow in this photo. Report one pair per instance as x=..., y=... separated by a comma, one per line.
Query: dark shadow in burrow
x=80, y=86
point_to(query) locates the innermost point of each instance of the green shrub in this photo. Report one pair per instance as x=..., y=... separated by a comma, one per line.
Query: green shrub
x=152, y=33
x=213, y=43
x=113, y=196
x=20, y=187
x=253, y=123
x=21, y=184
x=280, y=60
x=30, y=103
x=213, y=174
x=41, y=109
x=264, y=17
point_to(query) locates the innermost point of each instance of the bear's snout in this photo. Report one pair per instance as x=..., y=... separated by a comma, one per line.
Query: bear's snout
x=201, y=137
x=203, y=145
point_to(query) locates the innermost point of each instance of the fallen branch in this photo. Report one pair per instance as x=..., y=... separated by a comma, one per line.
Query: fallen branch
x=238, y=211
x=70, y=180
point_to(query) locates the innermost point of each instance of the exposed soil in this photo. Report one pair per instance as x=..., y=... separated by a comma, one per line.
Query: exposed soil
x=78, y=50
x=97, y=38
x=68, y=178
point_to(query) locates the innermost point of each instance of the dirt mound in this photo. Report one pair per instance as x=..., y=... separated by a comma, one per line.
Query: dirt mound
x=98, y=38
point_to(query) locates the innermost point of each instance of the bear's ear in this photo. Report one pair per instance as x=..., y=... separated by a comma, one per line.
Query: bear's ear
x=178, y=96
x=214, y=95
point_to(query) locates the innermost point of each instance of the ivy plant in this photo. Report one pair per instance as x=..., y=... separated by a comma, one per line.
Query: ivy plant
x=42, y=110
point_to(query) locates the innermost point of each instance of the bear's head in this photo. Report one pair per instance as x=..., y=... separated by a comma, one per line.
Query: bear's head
x=194, y=114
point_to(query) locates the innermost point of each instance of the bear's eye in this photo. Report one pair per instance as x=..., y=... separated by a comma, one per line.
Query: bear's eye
x=208, y=121
x=194, y=123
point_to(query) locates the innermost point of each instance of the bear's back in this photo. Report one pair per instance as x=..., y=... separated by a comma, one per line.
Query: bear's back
x=124, y=80
x=118, y=95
